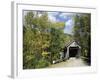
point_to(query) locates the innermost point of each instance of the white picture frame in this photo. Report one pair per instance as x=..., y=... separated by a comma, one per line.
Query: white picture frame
x=17, y=70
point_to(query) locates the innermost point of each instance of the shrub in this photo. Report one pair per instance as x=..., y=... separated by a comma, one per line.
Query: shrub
x=42, y=63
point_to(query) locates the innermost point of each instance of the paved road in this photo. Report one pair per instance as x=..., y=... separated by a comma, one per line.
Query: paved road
x=72, y=62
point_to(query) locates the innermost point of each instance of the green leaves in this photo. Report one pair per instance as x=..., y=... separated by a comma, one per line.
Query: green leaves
x=29, y=18
x=82, y=34
x=43, y=40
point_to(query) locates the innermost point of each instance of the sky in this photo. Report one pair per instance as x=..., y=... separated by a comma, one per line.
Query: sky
x=67, y=18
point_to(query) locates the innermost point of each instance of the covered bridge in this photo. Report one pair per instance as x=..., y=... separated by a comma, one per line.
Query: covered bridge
x=72, y=49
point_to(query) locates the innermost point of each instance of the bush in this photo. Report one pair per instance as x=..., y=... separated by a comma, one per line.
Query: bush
x=29, y=62
x=42, y=63
x=56, y=56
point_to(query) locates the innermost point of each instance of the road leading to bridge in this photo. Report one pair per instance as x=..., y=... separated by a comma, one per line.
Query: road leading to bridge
x=72, y=62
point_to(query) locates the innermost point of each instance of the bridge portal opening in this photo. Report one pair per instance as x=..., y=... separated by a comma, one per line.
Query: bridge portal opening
x=73, y=51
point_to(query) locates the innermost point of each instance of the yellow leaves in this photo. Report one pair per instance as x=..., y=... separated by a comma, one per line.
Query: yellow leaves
x=29, y=57
x=57, y=24
x=44, y=53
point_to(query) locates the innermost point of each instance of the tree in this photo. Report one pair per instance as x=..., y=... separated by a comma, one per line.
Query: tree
x=41, y=37
x=82, y=34
x=35, y=40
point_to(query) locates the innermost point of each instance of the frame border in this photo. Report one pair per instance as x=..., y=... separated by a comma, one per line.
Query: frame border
x=14, y=33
